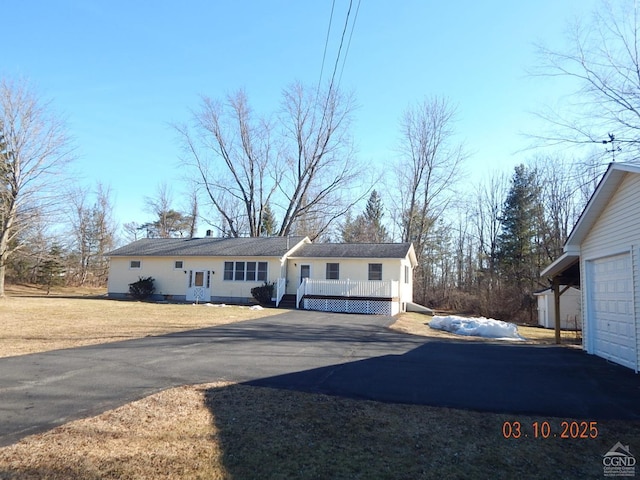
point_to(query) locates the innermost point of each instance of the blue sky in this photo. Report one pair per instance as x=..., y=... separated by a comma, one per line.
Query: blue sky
x=120, y=72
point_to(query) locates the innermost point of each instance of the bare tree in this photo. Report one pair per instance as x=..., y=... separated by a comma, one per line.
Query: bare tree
x=603, y=60
x=300, y=164
x=93, y=234
x=235, y=160
x=428, y=169
x=490, y=196
x=35, y=150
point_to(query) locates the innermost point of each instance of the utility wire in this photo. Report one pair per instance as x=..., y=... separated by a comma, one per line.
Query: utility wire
x=346, y=52
x=324, y=54
x=344, y=31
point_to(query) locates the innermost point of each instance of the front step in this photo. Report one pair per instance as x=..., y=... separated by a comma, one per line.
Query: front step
x=288, y=301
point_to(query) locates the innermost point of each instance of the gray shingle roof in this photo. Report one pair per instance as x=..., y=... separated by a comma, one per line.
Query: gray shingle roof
x=208, y=247
x=353, y=250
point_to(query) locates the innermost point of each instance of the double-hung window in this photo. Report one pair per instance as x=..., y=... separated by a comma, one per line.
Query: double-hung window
x=333, y=271
x=375, y=271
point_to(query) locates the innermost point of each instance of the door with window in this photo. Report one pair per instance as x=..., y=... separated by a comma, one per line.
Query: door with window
x=199, y=286
x=305, y=272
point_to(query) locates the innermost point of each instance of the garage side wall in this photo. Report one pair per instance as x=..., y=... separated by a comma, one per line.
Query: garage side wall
x=615, y=232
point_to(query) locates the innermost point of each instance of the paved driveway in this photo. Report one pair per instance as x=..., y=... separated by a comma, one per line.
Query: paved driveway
x=351, y=355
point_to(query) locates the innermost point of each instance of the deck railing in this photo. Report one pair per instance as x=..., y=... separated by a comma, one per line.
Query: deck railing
x=281, y=288
x=349, y=288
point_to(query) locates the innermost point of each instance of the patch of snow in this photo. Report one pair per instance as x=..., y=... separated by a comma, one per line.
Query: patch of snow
x=477, y=327
x=256, y=307
x=220, y=305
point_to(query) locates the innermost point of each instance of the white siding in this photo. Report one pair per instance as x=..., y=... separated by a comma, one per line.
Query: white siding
x=352, y=269
x=172, y=282
x=570, y=311
x=616, y=231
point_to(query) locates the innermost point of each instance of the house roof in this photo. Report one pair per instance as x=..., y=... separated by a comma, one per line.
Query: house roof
x=209, y=247
x=605, y=190
x=355, y=250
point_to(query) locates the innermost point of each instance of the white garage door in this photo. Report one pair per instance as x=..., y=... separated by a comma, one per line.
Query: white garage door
x=611, y=317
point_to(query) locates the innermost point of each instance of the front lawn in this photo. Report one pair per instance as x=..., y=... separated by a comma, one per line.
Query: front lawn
x=228, y=431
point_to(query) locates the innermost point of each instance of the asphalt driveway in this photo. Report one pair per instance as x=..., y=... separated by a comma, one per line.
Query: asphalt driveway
x=350, y=355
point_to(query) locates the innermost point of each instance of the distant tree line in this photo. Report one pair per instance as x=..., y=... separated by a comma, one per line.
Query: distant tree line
x=480, y=243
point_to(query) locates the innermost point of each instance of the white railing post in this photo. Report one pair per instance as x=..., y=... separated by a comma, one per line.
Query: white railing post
x=281, y=288
x=301, y=291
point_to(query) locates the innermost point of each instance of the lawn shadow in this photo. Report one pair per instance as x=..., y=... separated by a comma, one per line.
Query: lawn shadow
x=373, y=418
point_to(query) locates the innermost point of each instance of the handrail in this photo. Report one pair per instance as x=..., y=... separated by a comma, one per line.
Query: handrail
x=281, y=288
x=350, y=288
x=301, y=291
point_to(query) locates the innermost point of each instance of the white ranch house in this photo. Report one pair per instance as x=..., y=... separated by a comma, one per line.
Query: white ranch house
x=359, y=278
x=602, y=257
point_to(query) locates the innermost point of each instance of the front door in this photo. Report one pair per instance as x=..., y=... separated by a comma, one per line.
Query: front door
x=305, y=272
x=199, y=287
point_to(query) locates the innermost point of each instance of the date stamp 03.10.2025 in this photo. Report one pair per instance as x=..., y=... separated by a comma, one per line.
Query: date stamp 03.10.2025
x=618, y=461
x=565, y=429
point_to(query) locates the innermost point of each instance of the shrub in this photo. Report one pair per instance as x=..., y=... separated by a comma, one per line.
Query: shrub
x=143, y=288
x=263, y=294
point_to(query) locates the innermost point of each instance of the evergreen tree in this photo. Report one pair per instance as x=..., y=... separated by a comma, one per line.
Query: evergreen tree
x=268, y=224
x=51, y=272
x=366, y=227
x=519, y=215
x=169, y=224
x=516, y=246
x=376, y=232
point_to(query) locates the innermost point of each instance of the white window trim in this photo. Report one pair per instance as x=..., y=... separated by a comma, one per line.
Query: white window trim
x=139, y=267
x=178, y=268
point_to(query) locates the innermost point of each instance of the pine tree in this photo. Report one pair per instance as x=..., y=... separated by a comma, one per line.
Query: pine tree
x=516, y=249
x=376, y=232
x=366, y=227
x=51, y=272
x=268, y=223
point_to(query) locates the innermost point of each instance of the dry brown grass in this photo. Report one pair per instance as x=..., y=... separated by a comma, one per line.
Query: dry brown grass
x=166, y=435
x=37, y=324
x=222, y=431
x=240, y=432
x=418, y=324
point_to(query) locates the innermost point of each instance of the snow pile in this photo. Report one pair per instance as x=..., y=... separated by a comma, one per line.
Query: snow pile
x=217, y=305
x=256, y=307
x=477, y=327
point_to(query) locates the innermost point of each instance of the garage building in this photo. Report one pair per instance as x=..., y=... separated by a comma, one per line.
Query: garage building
x=605, y=245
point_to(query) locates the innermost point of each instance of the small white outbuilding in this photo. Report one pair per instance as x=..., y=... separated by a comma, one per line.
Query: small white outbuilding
x=570, y=309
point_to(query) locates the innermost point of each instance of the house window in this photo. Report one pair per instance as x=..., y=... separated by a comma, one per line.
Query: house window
x=239, y=271
x=406, y=274
x=251, y=271
x=135, y=264
x=333, y=271
x=375, y=271
x=178, y=264
x=262, y=271
x=246, y=271
x=228, y=270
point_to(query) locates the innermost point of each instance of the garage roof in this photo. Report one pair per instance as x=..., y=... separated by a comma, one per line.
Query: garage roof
x=604, y=191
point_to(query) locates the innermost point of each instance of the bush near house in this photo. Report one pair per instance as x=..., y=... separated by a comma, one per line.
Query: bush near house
x=143, y=288
x=263, y=294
